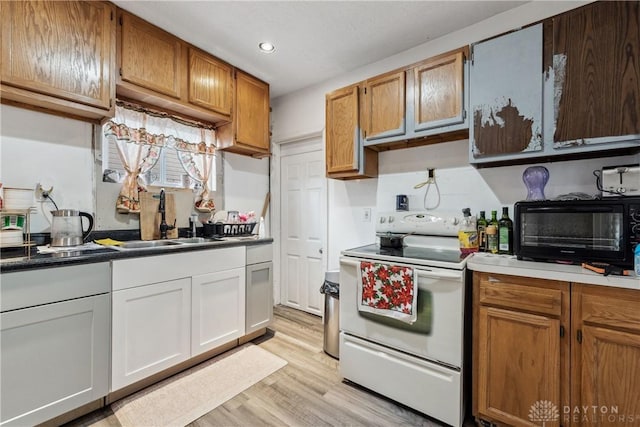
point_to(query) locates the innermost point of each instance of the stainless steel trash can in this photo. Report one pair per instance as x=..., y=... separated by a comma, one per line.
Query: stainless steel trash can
x=331, y=290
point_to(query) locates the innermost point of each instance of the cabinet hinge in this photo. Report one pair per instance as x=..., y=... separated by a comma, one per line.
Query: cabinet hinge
x=120, y=71
x=561, y=331
x=579, y=336
x=471, y=55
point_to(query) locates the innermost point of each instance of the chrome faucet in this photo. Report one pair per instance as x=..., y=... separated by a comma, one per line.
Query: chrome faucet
x=164, y=227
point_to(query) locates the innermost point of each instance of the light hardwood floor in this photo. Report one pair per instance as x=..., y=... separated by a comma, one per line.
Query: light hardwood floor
x=306, y=392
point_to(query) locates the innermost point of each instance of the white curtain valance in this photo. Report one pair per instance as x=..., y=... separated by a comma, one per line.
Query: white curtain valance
x=140, y=136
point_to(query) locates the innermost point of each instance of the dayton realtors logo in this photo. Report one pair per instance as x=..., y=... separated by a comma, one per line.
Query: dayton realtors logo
x=544, y=411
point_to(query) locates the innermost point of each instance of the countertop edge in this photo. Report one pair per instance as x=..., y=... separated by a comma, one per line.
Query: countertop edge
x=39, y=261
x=506, y=264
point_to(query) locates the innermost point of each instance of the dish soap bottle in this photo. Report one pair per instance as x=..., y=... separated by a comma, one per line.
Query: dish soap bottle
x=468, y=233
x=636, y=260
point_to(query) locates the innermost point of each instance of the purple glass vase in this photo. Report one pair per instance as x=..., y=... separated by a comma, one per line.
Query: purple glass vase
x=535, y=178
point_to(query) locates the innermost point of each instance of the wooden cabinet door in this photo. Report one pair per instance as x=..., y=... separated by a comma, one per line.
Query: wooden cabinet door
x=151, y=58
x=218, y=309
x=150, y=330
x=438, y=91
x=54, y=358
x=252, y=112
x=520, y=352
x=596, y=68
x=210, y=82
x=606, y=360
x=342, y=130
x=259, y=306
x=384, y=103
x=506, y=95
x=65, y=49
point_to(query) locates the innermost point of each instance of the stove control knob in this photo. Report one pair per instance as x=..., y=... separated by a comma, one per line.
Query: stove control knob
x=383, y=220
x=453, y=221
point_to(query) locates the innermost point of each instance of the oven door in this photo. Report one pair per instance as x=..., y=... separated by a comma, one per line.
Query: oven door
x=438, y=332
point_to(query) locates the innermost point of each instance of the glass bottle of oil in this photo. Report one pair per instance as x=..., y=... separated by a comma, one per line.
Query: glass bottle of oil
x=505, y=233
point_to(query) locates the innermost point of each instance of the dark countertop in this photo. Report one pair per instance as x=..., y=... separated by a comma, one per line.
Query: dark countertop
x=18, y=261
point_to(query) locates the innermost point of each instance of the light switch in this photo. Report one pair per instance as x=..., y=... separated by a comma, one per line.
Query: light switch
x=366, y=215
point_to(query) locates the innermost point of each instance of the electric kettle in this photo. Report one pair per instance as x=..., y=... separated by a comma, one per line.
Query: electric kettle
x=66, y=227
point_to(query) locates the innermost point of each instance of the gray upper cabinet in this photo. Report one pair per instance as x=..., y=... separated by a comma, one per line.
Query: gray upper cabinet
x=506, y=96
x=565, y=88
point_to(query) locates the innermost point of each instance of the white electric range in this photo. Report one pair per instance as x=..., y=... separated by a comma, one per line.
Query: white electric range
x=419, y=365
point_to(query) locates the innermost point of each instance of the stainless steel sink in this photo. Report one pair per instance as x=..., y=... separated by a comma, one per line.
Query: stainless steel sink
x=142, y=244
x=164, y=243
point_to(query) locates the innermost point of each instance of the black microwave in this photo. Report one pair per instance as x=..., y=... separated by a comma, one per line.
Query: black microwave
x=574, y=231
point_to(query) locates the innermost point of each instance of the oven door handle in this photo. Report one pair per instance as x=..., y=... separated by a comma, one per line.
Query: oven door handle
x=440, y=275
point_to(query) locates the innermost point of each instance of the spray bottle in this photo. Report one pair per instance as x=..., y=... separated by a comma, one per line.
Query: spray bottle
x=468, y=233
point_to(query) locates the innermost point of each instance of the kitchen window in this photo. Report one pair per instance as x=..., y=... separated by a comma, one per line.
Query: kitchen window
x=141, y=149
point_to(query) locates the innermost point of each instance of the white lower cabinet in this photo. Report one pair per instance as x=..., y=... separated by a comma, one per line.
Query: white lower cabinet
x=259, y=299
x=151, y=330
x=54, y=341
x=54, y=357
x=217, y=311
x=170, y=308
x=259, y=296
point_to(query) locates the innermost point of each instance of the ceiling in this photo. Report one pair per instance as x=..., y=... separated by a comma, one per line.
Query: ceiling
x=315, y=40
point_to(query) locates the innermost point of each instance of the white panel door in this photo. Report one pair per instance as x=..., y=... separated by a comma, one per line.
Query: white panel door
x=302, y=228
x=218, y=309
x=151, y=330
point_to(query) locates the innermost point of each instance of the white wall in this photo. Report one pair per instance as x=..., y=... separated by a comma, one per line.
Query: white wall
x=461, y=185
x=56, y=151
x=53, y=151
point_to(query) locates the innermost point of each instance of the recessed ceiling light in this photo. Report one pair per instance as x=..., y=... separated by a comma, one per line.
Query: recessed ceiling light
x=266, y=47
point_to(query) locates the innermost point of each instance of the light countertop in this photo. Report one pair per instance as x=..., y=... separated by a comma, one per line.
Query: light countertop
x=509, y=264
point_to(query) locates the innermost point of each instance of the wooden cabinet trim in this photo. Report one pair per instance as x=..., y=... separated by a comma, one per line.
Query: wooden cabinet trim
x=384, y=104
x=442, y=109
x=173, y=67
x=342, y=143
x=533, y=295
x=81, y=89
x=210, y=82
x=495, y=401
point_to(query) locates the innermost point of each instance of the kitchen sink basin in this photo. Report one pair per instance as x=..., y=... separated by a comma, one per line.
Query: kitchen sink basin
x=164, y=243
x=142, y=244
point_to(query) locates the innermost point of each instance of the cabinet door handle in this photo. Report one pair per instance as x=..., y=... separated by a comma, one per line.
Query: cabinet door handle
x=579, y=336
x=493, y=279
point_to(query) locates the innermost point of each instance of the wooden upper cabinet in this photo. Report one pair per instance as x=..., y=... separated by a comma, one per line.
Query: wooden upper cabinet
x=506, y=94
x=346, y=158
x=210, y=82
x=249, y=132
x=59, y=56
x=150, y=57
x=158, y=69
x=606, y=359
x=438, y=91
x=384, y=103
x=596, y=63
x=519, y=345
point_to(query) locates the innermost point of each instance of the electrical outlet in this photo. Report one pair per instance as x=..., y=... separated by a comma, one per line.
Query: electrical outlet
x=366, y=215
x=42, y=193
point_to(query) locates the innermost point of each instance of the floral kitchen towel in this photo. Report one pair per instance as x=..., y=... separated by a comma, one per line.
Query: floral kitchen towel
x=388, y=290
